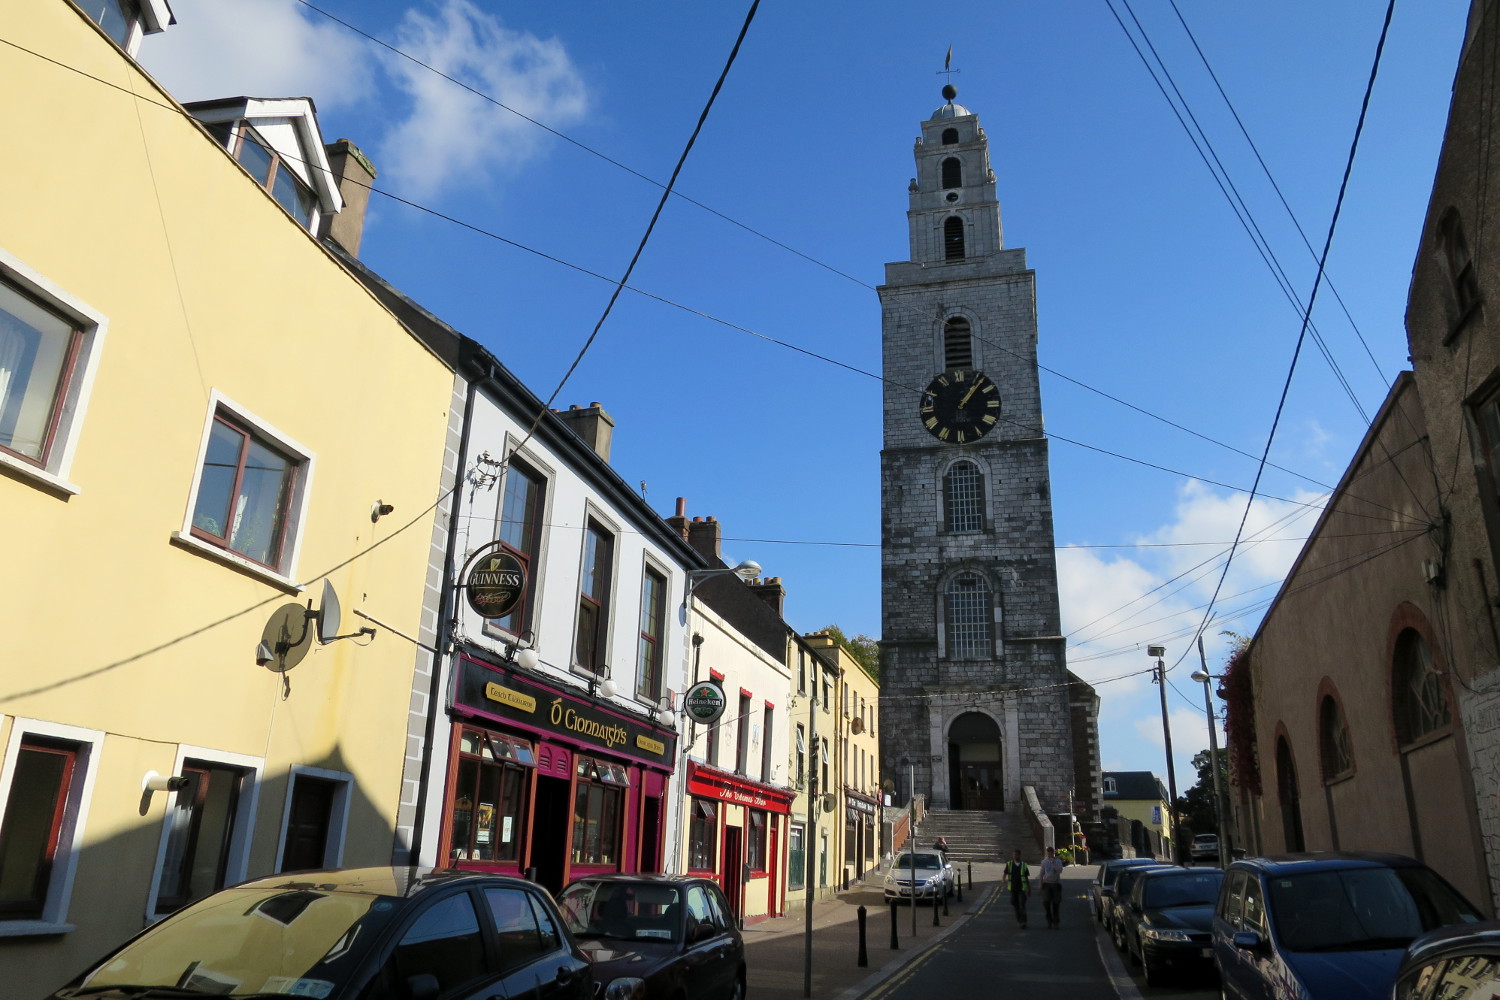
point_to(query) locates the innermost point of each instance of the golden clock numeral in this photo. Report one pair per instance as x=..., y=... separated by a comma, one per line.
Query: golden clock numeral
x=990, y=387
x=927, y=408
x=931, y=422
x=942, y=380
x=991, y=419
x=943, y=434
x=961, y=437
x=958, y=376
x=993, y=404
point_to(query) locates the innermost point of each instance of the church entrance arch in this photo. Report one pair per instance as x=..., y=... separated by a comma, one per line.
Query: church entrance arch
x=975, y=759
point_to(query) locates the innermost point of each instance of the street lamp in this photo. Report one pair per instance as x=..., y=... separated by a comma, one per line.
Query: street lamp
x=745, y=569
x=1157, y=653
x=1203, y=677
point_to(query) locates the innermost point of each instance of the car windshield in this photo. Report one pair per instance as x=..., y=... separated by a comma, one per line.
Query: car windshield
x=628, y=911
x=1195, y=889
x=1354, y=909
x=300, y=941
x=928, y=861
x=1112, y=873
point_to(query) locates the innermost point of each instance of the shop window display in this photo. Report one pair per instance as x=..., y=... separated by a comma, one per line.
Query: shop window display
x=489, y=796
x=596, y=811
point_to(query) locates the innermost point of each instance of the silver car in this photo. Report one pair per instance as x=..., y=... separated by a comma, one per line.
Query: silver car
x=919, y=875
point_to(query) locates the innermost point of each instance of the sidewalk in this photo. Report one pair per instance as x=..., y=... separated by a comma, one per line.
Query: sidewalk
x=775, y=949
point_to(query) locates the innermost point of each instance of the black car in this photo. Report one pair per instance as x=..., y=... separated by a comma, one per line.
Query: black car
x=1461, y=961
x=1102, y=888
x=1114, y=907
x=370, y=933
x=1168, y=921
x=656, y=936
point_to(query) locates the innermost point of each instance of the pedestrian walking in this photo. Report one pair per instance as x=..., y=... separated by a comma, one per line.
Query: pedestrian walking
x=1017, y=880
x=1052, y=868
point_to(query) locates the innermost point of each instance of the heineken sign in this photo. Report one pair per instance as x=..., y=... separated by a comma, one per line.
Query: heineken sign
x=705, y=702
x=494, y=582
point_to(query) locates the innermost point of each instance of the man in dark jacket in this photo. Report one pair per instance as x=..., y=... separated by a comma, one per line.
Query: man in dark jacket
x=1017, y=881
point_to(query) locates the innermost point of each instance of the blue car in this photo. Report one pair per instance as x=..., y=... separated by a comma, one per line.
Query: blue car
x=1328, y=926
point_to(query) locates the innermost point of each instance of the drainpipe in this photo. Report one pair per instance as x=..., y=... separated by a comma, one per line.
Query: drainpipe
x=436, y=703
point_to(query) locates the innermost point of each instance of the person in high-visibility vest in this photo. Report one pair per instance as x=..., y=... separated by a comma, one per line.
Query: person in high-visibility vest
x=1017, y=880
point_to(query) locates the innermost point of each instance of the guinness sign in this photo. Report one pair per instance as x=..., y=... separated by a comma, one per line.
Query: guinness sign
x=494, y=582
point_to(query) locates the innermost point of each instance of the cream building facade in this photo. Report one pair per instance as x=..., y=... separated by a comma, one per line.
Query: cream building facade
x=207, y=426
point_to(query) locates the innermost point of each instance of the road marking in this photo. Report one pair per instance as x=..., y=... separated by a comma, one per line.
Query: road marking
x=1114, y=967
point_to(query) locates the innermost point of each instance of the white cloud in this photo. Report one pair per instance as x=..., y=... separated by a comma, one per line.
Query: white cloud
x=450, y=135
x=258, y=48
x=427, y=134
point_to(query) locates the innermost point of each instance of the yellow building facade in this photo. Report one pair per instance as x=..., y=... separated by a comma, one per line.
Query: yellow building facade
x=203, y=419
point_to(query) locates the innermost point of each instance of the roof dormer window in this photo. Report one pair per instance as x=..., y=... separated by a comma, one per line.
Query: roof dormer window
x=268, y=167
x=278, y=142
x=126, y=21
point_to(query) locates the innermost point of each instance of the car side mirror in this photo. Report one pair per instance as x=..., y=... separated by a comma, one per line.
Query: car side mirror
x=1247, y=940
x=424, y=986
x=700, y=931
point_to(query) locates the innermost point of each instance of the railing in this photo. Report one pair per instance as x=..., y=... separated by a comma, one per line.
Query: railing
x=1041, y=827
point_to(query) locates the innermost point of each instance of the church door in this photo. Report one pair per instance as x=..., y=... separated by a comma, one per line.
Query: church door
x=975, y=773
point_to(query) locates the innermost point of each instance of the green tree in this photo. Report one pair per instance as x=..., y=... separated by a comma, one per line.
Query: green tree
x=864, y=649
x=1195, y=807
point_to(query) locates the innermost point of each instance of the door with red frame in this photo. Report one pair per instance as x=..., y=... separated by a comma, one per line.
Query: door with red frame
x=733, y=871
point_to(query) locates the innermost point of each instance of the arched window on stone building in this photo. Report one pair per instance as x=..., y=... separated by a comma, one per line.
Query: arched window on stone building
x=953, y=238
x=1333, y=740
x=953, y=172
x=963, y=497
x=969, y=615
x=950, y=136
x=1418, y=705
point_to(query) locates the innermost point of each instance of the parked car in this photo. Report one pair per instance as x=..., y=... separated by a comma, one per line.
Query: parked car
x=1168, y=921
x=1205, y=847
x=368, y=933
x=1460, y=961
x=1114, y=910
x=1328, y=926
x=934, y=877
x=656, y=936
x=1102, y=886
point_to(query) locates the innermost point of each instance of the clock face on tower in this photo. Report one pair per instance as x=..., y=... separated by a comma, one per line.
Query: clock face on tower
x=960, y=406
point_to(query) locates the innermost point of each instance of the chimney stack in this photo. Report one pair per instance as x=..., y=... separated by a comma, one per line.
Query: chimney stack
x=704, y=534
x=771, y=591
x=591, y=423
x=678, y=522
x=354, y=174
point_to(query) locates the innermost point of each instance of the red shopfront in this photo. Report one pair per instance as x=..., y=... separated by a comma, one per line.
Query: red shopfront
x=542, y=778
x=736, y=834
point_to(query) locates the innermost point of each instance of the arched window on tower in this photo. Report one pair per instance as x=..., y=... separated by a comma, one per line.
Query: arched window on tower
x=950, y=136
x=958, y=344
x=1418, y=703
x=1333, y=740
x=953, y=238
x=970, y=617
x=953, y=173
x=963, y=497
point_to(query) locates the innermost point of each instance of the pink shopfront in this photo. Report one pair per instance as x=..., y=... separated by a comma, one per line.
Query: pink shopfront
x=547, y=780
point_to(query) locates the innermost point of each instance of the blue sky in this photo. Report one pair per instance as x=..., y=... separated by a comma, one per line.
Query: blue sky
x=1148, y=287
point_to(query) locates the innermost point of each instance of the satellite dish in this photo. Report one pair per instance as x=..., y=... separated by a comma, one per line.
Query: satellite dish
x=828, y=804
x=857, y=726
x=285, y=639
x=330, y=614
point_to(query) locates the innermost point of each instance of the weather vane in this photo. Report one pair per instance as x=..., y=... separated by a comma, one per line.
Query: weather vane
x=948, y=69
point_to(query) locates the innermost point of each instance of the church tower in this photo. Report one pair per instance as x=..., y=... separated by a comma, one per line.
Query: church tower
x=974, y=683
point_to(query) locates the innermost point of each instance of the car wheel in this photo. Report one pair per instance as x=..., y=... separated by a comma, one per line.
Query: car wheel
x=738, y=993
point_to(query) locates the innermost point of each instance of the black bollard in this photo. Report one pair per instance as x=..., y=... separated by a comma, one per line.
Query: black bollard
x=971, y=874
x=864, y=956
x=945, y=904
x=934, y=913
x=960, y=881
x=895, y=944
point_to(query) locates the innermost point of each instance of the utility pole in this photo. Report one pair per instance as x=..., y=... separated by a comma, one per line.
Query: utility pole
x=1169, y=820
x=1213, y=759
x=809, y=864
